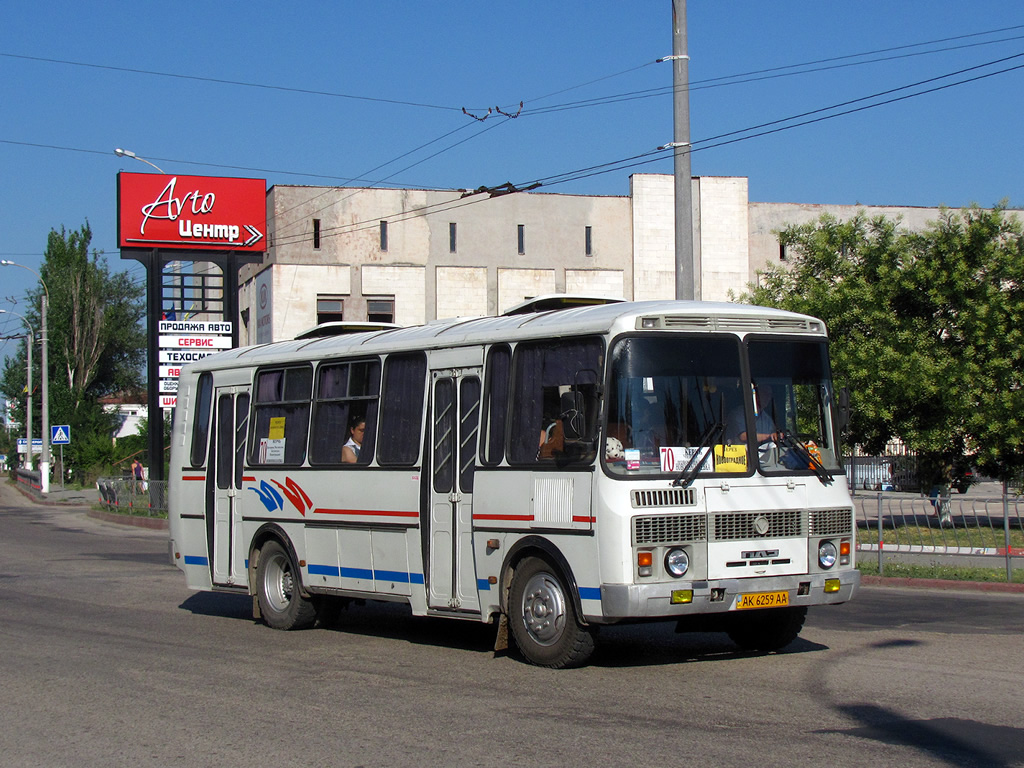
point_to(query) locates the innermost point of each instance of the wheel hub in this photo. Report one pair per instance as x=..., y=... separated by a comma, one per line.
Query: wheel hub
x=544, y=609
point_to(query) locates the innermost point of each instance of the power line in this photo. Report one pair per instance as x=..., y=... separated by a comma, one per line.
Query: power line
x=221, y=81
x=749, y=77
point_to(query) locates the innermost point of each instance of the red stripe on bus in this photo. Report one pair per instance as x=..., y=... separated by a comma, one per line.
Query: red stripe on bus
x=375, y=512
x=579, y=519
x=525, y=518
x=193, y=477
x=246, y=479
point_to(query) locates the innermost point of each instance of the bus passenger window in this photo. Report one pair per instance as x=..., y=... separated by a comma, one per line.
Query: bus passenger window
x=346, y=401
x=555, y=401
x=401, y=412
x=201, y=428
x=496, y=404
x=280, y=422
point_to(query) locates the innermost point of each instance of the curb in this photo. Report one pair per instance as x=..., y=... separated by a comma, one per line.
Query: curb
x=947, y=584
x=153, y=523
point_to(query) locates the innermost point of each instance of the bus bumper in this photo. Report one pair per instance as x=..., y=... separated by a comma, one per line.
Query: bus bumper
x=621, y=602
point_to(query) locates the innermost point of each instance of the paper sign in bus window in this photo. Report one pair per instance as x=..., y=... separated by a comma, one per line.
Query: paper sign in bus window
x=675, y=458
x=731, y=458
x=276, y=428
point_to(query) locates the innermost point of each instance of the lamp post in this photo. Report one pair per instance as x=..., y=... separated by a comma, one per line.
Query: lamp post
x=29, y=339
x=128, y=153
x=44, y=301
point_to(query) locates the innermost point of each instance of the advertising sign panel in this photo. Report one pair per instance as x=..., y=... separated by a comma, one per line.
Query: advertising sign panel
x=191, y=212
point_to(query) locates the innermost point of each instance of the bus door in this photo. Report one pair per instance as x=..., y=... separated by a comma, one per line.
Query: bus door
x=455, y=419
x=231, y=420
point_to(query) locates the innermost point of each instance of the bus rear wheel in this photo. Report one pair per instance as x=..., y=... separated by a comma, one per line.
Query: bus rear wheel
x=770, y=629
x=277, y=582
x=543, y=618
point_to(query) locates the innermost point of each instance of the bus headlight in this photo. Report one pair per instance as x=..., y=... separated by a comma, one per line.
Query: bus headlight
x=677, y=562
x=827, y=554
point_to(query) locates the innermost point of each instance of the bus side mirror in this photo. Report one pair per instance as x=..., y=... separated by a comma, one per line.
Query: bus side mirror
x=572, y=415
x=844, y=410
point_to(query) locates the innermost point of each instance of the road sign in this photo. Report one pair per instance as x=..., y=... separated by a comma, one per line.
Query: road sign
x=37, y=445
x=60, y=434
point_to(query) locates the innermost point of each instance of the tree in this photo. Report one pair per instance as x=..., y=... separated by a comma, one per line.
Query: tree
x=96, y=341
x=925, y=328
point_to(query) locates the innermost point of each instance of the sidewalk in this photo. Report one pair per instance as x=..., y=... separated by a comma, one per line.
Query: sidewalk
x=87, y=500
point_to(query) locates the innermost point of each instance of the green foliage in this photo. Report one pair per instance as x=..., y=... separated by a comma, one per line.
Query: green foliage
x=96, y=346
x=926, y=329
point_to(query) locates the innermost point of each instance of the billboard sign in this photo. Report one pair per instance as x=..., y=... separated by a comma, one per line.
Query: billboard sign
x=191, y=212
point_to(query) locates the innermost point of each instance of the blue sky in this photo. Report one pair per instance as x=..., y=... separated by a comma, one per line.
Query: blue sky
x=359, y=90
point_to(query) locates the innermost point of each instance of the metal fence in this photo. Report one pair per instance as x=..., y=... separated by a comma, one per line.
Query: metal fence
x=145, y=497
x=989, y=530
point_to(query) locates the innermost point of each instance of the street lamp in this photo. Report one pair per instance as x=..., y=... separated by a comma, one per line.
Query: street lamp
x=128, y=153
x=44, y=302
x=29, y=338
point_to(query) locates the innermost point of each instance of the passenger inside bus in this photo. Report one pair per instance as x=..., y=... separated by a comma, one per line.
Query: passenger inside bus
x=350, y=450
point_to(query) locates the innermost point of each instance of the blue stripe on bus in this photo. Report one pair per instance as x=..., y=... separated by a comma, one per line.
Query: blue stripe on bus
x=323, y=570
x=356, y=573
x=590, y=593
x=196, y=560
x=364, y=573
x=483, y=585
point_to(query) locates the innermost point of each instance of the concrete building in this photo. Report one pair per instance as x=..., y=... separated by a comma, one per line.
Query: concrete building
x=411, y=256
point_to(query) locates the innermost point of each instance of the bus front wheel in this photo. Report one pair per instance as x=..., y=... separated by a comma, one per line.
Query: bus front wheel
x=281, y=602
x=543, y=618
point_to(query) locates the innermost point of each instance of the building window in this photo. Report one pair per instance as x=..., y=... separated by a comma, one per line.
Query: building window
x=316, y=234
x=384, y=236
x=782, y=251
x=452, y=238
x=380, y=310
x=329, y=309
x=588, y=243
x=521, y=232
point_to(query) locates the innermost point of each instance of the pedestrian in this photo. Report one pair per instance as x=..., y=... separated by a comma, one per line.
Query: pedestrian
x=138, y=472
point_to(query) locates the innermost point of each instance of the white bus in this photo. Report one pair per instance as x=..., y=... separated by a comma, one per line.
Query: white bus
x=555, y=469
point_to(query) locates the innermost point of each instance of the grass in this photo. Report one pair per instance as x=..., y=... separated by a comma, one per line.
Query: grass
x=948, y=536
x=943, y=572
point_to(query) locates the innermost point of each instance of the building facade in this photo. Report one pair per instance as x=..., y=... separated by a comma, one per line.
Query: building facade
x=412, y=256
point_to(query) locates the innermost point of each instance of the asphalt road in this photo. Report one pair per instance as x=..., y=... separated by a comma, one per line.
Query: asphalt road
x=106, y=659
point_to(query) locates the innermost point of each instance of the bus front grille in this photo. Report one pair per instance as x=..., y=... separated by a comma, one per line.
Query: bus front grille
x=831, y=522
x=736, y=526
x=669, y=529
x=664, y=497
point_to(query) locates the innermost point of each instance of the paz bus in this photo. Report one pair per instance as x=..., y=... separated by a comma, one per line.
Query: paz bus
x=560, y=467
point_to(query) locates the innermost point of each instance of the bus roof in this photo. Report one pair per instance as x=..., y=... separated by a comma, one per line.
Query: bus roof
x=617, y=317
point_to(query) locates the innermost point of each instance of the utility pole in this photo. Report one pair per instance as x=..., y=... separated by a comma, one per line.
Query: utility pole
x=44, y=458
x=29, y=341
x=687, y=269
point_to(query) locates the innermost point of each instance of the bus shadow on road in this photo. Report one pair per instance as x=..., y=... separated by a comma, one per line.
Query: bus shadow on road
x=644, y=645
x=629, y=645
x=219, y=604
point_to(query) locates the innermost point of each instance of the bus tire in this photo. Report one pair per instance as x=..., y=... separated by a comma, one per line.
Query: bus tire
x=543, y=618
x=282, y=604
x=770, y=629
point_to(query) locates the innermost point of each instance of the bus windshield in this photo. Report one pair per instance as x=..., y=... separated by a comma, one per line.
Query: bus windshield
x=791, y=391
x=669, y=402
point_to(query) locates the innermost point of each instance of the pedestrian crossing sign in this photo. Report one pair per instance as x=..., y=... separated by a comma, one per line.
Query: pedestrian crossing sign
x=60, y=434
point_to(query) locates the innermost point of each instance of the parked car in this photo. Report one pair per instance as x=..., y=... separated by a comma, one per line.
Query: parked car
x=963, y=476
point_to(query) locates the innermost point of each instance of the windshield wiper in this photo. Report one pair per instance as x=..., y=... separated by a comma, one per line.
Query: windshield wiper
x=689, y=473
x=801, y=451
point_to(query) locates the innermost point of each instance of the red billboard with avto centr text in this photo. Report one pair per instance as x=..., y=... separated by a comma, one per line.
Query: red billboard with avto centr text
x=191, y=212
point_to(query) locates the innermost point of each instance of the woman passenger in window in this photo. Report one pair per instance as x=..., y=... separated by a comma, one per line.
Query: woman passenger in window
x=350, y=450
